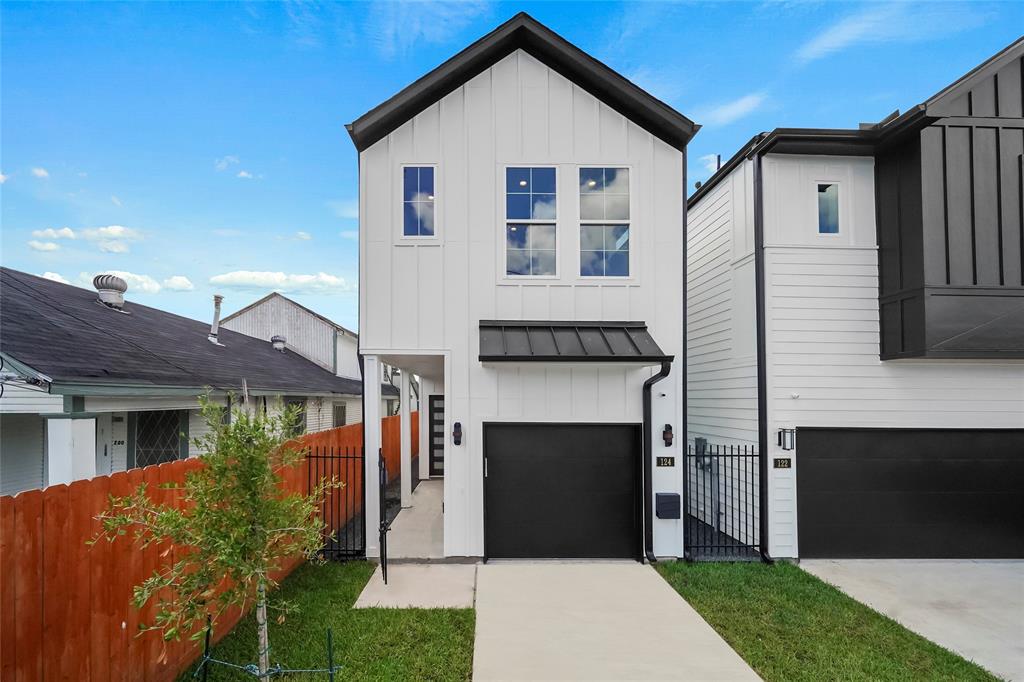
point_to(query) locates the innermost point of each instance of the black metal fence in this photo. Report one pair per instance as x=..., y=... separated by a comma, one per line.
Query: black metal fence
x=722, y=502
x=341, y=509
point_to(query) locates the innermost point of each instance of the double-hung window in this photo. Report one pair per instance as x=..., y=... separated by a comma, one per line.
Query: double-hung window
x=418, y=201
x=604, y=222
x=530, y=213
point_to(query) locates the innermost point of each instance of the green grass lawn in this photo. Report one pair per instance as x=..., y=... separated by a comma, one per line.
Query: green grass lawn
x=370, y=644
x=789, y=625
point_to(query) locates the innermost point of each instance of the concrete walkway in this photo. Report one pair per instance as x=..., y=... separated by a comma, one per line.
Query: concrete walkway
x=421, y=586
x=972, y=607
x=592, y=621
x=418, y=530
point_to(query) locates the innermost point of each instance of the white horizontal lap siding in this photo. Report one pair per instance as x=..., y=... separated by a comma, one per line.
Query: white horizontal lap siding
x=430, y=295
x=29, y=400
x=307, y=335
x=22, y=453
x=823, y=333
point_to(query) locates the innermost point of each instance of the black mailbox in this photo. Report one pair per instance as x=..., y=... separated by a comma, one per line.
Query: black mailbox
x=666, y=505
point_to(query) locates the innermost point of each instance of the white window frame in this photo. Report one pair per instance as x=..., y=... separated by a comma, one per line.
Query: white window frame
x=631, y=222
x=839, y=209
x=400, y=193
x=557, y=222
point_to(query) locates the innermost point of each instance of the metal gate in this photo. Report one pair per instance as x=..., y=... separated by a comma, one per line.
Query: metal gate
x=435, y=442
x=722, y=499
x=341, y=509
x=385, y=523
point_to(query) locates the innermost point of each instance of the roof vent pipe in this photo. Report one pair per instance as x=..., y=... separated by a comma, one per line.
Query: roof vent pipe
x=215, y=327
x=111, y=290
x=278, y=342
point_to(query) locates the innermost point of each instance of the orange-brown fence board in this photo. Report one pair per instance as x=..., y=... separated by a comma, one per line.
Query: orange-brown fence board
x=65, y=606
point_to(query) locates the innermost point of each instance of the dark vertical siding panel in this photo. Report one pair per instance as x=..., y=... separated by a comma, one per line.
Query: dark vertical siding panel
x=1010, y=101
x=983, y=98
x=887, y=215
x=933, y=206
x=911, y=247
x=987, y=235
x=958, y=205
x=1011, y=146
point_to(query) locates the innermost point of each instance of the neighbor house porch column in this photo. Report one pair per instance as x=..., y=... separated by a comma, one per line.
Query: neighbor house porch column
x=70, y=450
x=405, y=438
x=372, y=439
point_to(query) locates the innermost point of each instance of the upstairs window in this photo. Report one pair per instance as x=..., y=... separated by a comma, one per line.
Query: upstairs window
x=530, y=213
x=418, y=201
x=604, y=222
x=828, y=208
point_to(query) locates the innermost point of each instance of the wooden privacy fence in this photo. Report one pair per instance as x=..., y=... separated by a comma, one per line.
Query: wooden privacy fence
x=65, y=606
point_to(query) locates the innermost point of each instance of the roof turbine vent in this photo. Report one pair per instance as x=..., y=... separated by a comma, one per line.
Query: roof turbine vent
x=278, y=342
x=111, y=290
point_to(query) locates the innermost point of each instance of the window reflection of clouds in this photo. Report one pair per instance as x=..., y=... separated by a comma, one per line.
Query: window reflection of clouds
x=604, y=248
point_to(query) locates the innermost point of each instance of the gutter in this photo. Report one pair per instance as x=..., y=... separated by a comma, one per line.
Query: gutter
x=762, y=386
x=666, y=367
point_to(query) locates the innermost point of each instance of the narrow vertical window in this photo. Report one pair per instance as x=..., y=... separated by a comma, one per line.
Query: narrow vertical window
x=604, y=222
x=418, y=201
x=828, y=208
x=530, y=214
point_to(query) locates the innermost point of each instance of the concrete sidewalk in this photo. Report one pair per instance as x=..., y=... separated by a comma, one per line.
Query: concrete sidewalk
x=592, y=621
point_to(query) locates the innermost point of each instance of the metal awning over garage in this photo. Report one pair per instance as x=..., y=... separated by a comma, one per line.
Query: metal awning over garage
x=543, y=341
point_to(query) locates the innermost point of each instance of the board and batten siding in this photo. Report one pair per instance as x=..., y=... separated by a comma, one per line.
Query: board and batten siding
x=822, y=333
x=428, y=295
x=306, y=334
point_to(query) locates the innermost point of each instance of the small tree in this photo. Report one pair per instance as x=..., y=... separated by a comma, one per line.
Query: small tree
x=237, y=526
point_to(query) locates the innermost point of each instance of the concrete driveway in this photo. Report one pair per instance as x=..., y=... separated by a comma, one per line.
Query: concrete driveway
x=592, y=621
x=975, y=608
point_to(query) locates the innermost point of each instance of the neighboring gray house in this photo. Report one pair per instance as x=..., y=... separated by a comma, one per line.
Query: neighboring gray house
x=91, y=388
x=856, y=310
x=314, y=337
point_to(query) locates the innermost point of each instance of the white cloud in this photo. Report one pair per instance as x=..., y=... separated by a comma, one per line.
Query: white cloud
x=3, y=178
x=280, y=281
x=224, y=162
x=54, y=277
x=727, y=112
x=303, y=236
x=112, y=232
x=244, y=174
x=891, y=23
x=710, y=163
x=40, y=172
x=349, y=234
x=43, y=246
x=115, y=201
x=345, y=208
x=113, y=246
x=179, y=283
x=396, y=27
x=136, y=283
x=50, y=233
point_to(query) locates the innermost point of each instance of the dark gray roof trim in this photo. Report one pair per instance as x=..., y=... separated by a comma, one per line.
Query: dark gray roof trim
x=61, y=331
x=524, y=32
x=543, y=341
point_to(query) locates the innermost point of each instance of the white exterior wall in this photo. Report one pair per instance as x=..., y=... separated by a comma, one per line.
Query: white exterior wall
x=428, y=295
x=348, y=356
x=823, y=364
x=22, y=453
x=306, y=334
x=21, y=399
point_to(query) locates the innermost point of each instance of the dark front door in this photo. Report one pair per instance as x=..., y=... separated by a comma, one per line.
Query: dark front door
x=436, y=442
x=910, y=493
x=562, y=491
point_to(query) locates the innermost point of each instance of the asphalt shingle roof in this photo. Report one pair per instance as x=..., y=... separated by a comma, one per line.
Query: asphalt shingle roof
x=64, y=333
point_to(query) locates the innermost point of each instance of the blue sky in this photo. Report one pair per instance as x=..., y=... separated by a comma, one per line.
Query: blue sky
x=200, y=146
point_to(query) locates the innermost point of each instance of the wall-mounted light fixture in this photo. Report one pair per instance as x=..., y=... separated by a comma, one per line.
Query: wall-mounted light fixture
x=457, y=433
x=666, y=435
x=787, y=439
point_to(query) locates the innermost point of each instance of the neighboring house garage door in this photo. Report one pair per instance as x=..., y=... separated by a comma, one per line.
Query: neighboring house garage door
x=562, y=490
x=906, y=493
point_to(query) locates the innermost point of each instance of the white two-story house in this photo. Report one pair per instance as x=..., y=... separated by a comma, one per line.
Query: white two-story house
x=522, y=223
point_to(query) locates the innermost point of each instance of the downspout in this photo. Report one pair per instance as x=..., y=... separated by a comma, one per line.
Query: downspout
x=762, y=387
x=666, y=367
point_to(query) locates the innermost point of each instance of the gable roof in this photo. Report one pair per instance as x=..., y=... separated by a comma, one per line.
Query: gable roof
x=61, y=331
x=275, y=294
x=523, y=32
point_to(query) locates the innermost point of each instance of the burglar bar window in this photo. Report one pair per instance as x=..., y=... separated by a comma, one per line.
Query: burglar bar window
x=604, y=222
x=828, y=208
x=530, y=213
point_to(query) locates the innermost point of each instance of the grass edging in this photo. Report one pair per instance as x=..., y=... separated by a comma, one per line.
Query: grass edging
x=790, y=625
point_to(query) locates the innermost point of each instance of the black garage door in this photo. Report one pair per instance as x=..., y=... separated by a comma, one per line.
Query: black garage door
x=898, y=493
x=562, y=491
